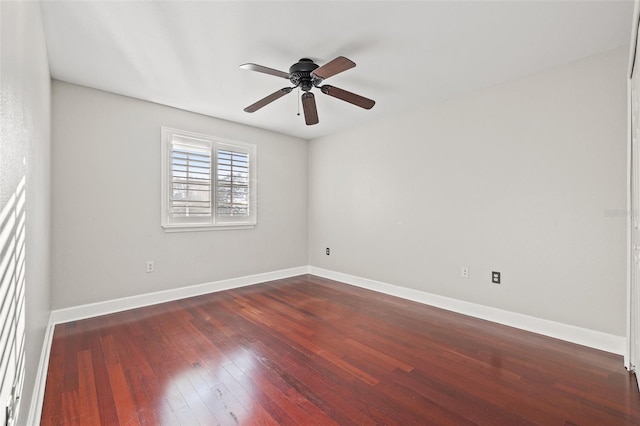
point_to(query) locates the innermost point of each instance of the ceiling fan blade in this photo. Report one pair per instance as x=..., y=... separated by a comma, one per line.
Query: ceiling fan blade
x=266, y=70
x=352, y=98
x=309, y=108
x=267, y=100
x=333, y=67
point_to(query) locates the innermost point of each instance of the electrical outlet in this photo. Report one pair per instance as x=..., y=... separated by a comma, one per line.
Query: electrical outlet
x=328, y=251
x=495, y=277
x=150, y=266
x=464, y=273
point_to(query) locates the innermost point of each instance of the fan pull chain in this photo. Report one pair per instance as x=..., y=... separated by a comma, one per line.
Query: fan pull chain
x=298, y=101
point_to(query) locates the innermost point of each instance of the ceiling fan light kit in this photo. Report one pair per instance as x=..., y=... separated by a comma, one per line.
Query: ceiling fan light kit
x=305, y=75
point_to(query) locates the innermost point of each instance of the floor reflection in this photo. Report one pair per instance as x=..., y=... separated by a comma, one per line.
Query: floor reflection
x=199, y=394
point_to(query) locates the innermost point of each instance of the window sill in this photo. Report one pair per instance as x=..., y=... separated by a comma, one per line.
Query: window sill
x=200, y=228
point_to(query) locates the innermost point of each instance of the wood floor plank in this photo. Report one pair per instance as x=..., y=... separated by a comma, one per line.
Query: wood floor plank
x=311, y=351
x=87, y=386
x=106, y=403
x=125, y=408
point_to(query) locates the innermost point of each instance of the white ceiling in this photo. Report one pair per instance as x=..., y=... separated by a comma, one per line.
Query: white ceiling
x=408, y=54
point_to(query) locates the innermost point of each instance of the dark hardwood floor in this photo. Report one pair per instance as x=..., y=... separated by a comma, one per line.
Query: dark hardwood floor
x=310, y=351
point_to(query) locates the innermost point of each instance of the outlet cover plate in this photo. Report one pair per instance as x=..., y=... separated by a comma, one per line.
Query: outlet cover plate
x=464, y=272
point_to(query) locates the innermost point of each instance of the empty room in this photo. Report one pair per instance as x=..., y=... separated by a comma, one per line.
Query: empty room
x=319, y=212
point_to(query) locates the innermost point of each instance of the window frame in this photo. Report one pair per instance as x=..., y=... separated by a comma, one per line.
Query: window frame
x=214, y=221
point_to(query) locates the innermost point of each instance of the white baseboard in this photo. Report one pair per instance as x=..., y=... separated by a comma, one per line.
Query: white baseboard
x=582, y=336
x=118, y=305
x=35, y=408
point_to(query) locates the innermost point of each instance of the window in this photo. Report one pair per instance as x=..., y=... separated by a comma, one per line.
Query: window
x=207, y=182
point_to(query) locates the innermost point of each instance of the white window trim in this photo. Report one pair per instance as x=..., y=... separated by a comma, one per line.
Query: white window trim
x=216, y=223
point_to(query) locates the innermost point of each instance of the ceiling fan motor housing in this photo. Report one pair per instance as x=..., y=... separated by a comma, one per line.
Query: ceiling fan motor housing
x=300, y=74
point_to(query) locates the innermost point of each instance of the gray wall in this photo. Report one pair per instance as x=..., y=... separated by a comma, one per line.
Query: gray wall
x=106, y=202
x=25, y=133
x=522, y=178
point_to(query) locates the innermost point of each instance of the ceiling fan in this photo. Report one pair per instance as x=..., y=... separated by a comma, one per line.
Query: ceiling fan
x=306, y=75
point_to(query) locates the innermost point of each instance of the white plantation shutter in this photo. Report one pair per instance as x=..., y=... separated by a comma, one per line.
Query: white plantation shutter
x=12, y=297
x=232, y=192
x=190, y=181
x=206, y=182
